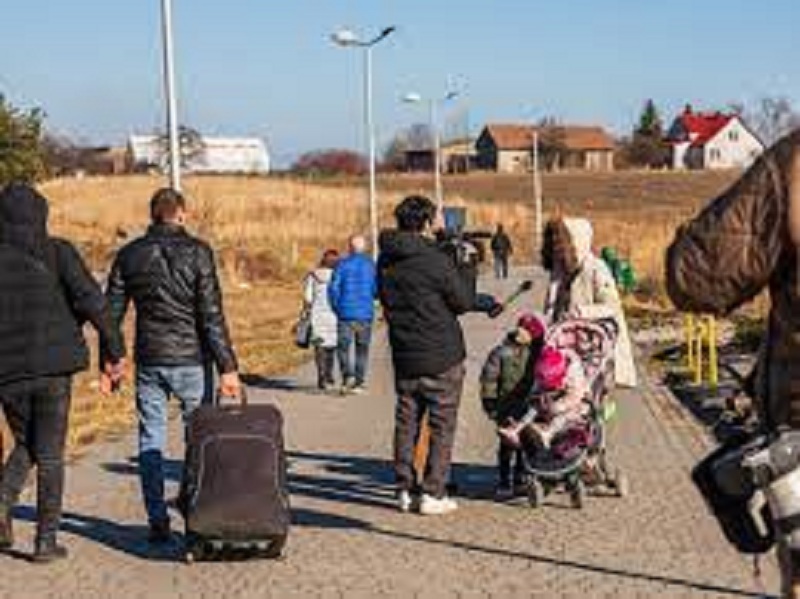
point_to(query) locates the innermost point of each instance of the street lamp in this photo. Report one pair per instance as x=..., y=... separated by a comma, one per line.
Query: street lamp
x=346, y=38
x=170, y=96
x=415, y=98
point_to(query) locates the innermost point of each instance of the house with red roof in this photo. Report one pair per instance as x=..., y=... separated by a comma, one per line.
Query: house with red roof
x=712, y=140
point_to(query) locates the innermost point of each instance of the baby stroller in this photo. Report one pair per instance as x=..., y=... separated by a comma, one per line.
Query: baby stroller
x=577, y=456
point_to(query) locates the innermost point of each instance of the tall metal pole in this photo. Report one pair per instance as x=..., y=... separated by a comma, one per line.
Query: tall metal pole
x=437, y=157
x=170, y=96
x=537, y=196
x=370, y=125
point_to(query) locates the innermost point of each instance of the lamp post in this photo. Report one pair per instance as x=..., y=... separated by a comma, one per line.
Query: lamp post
x=348, y=39
x=433, y=111
x=170, y=96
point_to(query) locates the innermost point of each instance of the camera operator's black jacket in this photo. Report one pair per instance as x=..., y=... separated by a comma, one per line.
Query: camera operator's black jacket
x=423, y=292
x=172, y=279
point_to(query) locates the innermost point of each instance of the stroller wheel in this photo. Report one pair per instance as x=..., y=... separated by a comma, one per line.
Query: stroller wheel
x=621, y=483
x=535, y=493
x=578, y=494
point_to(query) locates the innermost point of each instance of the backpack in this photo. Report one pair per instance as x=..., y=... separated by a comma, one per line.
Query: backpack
x=729, y=491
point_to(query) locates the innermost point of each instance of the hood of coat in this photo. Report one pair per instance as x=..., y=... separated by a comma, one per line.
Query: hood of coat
x=397, y=246
x=582, y=234
x=23, y=219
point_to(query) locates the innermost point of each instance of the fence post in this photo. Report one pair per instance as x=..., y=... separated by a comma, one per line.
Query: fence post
x=689, y=324
x=698, y=365
x=713, y=364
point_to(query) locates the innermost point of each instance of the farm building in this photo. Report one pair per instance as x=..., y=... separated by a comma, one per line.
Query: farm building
x=222, y=155
x=712, y=140
x=458, y=156
x=509, y=148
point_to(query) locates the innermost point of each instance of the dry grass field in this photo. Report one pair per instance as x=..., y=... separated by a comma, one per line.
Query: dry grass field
x=267, y=232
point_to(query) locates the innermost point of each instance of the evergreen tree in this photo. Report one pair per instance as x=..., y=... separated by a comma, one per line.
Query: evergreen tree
x=21, y=155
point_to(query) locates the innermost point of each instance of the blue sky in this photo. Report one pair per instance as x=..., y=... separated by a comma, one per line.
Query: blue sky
x=267, y=67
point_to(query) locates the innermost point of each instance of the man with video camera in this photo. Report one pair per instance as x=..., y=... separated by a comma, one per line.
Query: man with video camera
x=424, y=286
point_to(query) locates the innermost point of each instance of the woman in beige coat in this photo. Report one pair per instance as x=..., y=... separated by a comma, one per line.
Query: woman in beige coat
x=582, y=286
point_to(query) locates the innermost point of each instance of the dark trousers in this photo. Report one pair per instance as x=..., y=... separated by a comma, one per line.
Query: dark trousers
x=37, y=412
x=505, y=456
x=500, y=266
x=325, y=358
x=438, y=397
x=358, y=334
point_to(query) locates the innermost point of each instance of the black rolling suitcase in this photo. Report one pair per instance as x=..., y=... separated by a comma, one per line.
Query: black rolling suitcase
x=234, y=495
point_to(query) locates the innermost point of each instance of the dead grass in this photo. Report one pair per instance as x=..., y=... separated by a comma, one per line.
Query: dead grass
x=268, y=231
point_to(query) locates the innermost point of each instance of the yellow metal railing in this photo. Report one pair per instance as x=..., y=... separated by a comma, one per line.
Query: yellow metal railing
x=702, y=358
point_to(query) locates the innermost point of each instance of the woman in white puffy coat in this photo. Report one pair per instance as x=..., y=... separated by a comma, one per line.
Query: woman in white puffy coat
x=582, y=286
x=324, y=338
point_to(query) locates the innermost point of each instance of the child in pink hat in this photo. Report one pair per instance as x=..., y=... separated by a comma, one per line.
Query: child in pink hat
x=560, y=387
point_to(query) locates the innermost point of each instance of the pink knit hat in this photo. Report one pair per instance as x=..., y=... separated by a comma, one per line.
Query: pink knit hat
x=551, y=369
x=533, y=324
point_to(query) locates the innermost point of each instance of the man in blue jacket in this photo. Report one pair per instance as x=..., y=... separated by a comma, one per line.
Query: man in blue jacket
x=352, y=292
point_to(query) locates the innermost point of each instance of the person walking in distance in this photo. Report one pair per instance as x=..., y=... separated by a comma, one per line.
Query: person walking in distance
x=324, y=334
x=170, y=276
x=352, y=292
x=501, y=252
x=47, y=293
x=423, y=290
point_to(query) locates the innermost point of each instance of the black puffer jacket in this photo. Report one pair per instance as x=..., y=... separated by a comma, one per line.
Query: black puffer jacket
x=423, y=293
x=172, y=279
x=46, y=295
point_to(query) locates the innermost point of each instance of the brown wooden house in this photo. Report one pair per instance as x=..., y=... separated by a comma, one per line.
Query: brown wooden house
x=508, y=148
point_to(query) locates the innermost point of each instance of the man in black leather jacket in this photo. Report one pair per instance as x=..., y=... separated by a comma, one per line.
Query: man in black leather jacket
x=171, y=278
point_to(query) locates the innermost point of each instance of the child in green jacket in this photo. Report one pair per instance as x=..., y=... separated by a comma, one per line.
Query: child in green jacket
x=506, y=381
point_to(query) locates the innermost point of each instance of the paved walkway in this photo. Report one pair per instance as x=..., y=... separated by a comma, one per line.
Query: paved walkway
x=349, y=542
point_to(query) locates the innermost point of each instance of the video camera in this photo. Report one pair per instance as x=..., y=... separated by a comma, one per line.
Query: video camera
x=465, y=247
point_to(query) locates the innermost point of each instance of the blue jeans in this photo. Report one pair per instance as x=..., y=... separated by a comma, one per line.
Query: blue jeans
x=154, y=386
x=358, y=334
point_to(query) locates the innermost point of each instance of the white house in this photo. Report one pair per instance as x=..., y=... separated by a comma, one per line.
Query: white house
x=712, y=140
x=221, y=155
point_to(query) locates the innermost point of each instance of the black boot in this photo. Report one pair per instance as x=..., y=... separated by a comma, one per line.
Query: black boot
x=48, y=551
x=6, y=529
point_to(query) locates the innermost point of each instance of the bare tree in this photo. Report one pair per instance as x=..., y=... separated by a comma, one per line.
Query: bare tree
x=552, y=142
x=417, y=137
x=192, y=147
x=771, y=117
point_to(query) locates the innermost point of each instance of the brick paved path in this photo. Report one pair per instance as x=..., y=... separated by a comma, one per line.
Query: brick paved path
x=349, y=542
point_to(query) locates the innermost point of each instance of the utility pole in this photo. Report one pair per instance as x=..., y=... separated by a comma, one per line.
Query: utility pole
x=170, y=96
x=437, y=157
x=537, y=195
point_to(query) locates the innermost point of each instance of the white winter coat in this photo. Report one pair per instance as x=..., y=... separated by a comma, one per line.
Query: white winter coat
x=323, y=318
x=594, y=295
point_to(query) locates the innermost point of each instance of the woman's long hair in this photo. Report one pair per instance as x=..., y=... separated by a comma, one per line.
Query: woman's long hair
x=558, y=251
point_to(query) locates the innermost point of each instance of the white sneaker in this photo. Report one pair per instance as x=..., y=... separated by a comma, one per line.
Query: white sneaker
x=431, y=506
x=405, y=502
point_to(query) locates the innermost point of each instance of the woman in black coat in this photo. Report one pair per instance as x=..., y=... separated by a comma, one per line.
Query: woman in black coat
x=46, y=295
